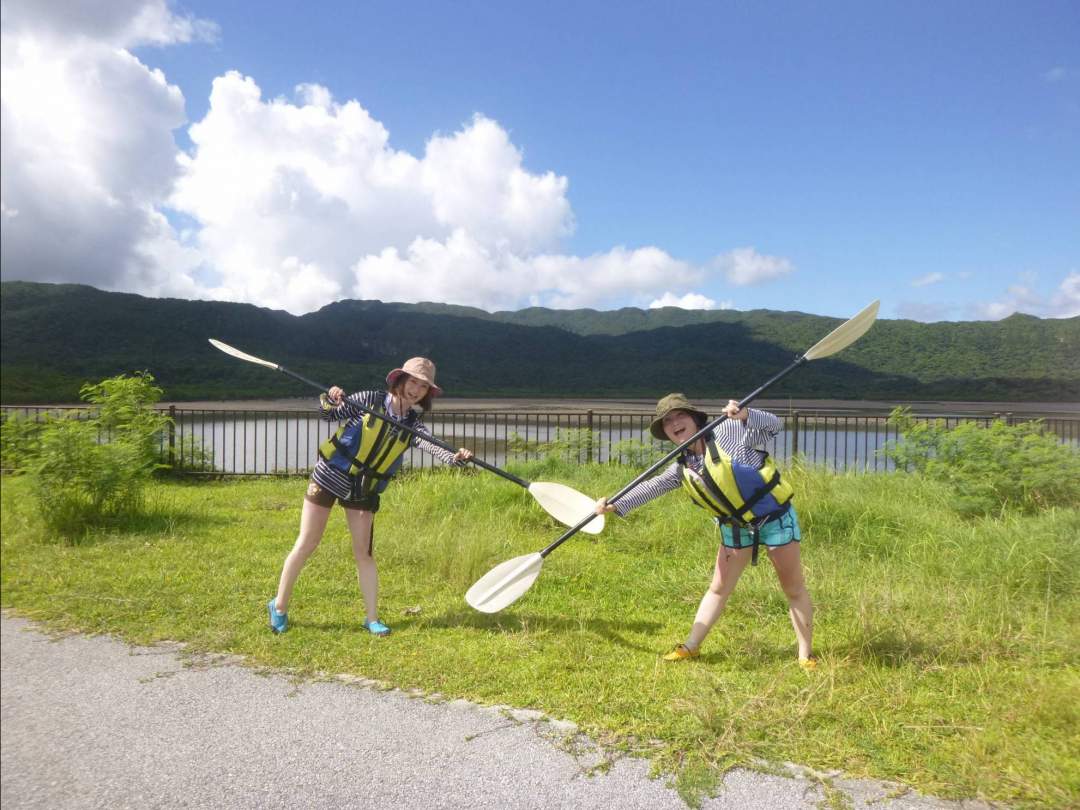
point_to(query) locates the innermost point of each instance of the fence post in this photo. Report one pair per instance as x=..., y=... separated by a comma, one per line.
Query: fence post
x=588, y=443
x=172, y=436
x=795, y=434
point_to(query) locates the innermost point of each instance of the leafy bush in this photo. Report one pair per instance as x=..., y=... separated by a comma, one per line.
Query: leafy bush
x=570, y=444
x=19, y=438
x=634, y=452
x=989, y=468
x=93, y=470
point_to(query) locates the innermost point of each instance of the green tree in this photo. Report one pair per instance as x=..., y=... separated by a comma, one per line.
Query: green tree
x=92, y=471
x=989, y=468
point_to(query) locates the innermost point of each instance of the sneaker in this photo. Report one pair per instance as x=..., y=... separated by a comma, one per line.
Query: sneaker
x=808, y=664
x=682, y=653
x=279, y=622
x=377, y=628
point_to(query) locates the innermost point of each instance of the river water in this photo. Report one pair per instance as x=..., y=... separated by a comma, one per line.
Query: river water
x=276, y=437
x=275, y=441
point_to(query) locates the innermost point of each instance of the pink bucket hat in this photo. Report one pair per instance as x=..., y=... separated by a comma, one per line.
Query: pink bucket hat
x=419, y=367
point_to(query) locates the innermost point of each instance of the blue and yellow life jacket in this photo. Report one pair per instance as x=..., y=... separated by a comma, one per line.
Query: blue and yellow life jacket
x=734, y=492
x=368, y=449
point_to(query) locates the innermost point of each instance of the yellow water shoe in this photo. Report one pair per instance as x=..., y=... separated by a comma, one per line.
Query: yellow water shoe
x=681, y=653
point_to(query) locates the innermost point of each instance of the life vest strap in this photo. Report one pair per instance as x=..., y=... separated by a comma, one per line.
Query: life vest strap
x=713, y=487
x=754, y=529
x=391, y=440
x=755, y=534
x=362, y=468
x=751, y=502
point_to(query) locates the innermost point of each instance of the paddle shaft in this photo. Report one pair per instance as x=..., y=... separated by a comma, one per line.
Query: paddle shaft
x=521, y=482
x=722, y=418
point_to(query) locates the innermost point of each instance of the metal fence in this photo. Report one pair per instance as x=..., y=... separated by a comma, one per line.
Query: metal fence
x=241, y=442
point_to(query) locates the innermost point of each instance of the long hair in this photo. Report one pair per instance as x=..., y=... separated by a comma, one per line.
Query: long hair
x=426, y=404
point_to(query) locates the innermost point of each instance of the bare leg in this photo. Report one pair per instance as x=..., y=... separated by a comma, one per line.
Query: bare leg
x=312, y=525
x=367, y=574
x=788, y=565
x=730, y=563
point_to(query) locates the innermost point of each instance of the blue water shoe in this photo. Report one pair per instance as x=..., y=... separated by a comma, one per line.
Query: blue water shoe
x=377, y=628
x=279, y=622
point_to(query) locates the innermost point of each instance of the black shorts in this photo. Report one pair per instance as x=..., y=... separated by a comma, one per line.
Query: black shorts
x=324, y=497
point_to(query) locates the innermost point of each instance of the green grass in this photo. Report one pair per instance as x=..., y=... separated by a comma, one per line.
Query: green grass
x=949, y=647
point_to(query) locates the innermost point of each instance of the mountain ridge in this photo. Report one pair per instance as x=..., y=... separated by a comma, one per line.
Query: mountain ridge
x=57, y=336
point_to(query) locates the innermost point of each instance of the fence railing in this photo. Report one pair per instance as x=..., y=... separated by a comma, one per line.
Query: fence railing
x=274, y=442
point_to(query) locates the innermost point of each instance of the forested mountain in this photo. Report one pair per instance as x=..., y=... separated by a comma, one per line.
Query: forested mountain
x=55, y=337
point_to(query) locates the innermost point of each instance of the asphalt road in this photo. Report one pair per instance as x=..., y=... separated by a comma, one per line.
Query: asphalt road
x=90, y=722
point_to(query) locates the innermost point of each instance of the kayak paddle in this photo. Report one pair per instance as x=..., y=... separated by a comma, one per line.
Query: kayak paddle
x=565, y=504
x=506, y=582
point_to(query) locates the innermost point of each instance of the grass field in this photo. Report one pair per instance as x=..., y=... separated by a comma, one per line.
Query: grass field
x=949, y=647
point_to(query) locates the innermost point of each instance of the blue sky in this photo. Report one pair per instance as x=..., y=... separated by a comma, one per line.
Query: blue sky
x=782, y=155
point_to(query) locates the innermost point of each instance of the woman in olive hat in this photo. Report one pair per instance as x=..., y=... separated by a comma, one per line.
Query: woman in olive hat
x=728, y=472
x=354, y=467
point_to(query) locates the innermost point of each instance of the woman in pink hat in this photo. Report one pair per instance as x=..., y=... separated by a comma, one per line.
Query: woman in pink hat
x=355, y=465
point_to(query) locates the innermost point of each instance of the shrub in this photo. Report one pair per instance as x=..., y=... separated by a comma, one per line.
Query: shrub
x=634, y=452
x=19, y=438
x=570, y=444
x=992, y=467
x=92, y=471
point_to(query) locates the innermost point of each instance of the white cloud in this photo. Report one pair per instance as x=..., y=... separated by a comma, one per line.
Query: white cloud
x=1063, y=303
x=745, y=266
x=1058, y=73
x=287, y=202
x=319, y=182
x=929, y=278
x=117, y=23
x=688, y=301
x=87, y=150
x=476, y=182
x=462, y=270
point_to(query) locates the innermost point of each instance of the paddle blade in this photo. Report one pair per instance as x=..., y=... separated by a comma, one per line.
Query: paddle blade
x=504, y=584
x=845, y=334
x=225, y=347
x=567, y=505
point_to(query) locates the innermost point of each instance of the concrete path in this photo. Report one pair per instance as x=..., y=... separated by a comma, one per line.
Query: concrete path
x=90, y=722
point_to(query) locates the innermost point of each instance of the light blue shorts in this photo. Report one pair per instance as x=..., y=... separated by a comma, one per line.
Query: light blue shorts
x=775, y=533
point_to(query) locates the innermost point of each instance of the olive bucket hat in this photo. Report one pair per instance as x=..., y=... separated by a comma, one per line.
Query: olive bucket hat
x=673, y=402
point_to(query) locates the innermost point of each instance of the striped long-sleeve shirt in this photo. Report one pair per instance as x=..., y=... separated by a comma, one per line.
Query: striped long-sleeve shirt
x=743, y=441
x=334, y=480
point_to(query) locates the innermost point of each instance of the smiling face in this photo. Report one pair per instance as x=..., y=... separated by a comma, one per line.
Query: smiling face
x=411, y=390
x=679, y=426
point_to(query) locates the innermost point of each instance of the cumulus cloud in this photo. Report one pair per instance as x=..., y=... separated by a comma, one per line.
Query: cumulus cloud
x=745, y=266
x=1064, y=302
x=462, y=270
x=688, y=301
x=929, y=278
x=87, y=151
x=117, y=24
x=322, y=187
x=285, y=202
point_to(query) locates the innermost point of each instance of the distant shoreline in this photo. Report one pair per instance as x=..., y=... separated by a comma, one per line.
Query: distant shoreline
x=635, y=405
